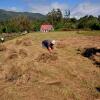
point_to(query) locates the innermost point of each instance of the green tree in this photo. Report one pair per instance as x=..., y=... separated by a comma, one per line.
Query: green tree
x=59, y=15
x=87, y=22
x=55, y=16
x=67, y=14
x=95, y=26
x=19, y=24
x=99, y=18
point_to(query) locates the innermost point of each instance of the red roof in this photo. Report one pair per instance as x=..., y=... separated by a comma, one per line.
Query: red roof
x=46, y=27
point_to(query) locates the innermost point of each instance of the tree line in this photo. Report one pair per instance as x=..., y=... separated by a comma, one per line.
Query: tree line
x=54, y=17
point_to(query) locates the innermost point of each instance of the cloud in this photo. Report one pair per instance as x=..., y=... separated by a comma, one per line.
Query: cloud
x=82, y=9
x=85, y=9
x=78, y=11
x=56, y=5
x=44, y=9
x=13, y=9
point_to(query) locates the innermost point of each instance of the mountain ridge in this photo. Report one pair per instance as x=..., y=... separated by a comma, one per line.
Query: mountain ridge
x=6, y=15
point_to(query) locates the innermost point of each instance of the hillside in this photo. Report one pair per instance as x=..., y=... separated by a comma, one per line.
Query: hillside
x=29, y=72
x=4, y=15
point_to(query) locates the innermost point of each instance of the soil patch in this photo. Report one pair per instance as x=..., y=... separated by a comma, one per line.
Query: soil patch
x=98, y=89
x=92, y=53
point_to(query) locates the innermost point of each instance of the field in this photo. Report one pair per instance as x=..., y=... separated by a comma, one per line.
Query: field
x=29, y=72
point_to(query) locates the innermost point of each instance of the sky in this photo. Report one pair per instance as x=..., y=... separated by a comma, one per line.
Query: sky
x=78, y=8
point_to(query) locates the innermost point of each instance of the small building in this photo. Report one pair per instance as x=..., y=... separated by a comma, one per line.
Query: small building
x=46, y=28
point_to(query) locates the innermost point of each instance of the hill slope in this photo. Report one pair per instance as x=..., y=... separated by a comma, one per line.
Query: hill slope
x=4, y=15
x=29, y=72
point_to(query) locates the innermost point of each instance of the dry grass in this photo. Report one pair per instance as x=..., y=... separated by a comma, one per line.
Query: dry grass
x=47, y=57
x=24, y=42
x=2, y=47
x=61, y=44
x=23, y=53
x=29, y=72
x=11, y=54
x=13, y=73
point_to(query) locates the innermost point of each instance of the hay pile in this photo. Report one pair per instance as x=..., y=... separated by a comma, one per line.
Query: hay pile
x=61, y=44
x=23, y=53
x=47, y=57
x=9, y=71
x=19, y=67
x=26, y=76
x=24, y=42
x=15, y=74
x=14, y=64
x=13, y=54
x=18, y=72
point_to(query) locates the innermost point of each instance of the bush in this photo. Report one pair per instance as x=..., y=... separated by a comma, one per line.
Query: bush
x=95, y=26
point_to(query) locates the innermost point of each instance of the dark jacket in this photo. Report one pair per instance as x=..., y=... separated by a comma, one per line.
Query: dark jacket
x=47, y=44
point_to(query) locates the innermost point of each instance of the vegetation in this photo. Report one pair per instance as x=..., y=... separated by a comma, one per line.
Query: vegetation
x=6, y=15
x=25, y=22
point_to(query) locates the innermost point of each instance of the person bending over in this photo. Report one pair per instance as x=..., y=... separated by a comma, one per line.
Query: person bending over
x=49, y=44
